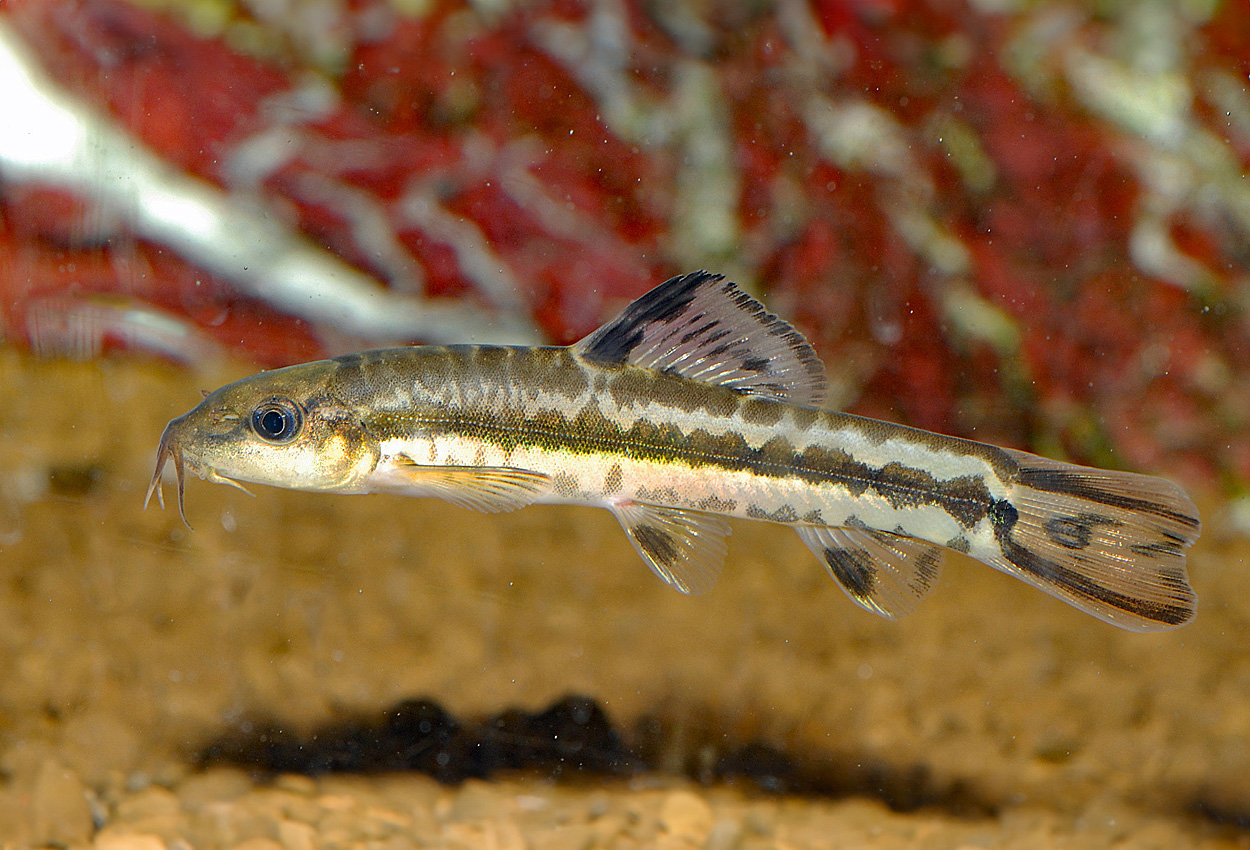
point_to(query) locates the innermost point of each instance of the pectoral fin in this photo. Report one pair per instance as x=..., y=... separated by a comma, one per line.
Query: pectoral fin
x=491, y=489
x=212, y=476
x=884, y=573
x=685, y=548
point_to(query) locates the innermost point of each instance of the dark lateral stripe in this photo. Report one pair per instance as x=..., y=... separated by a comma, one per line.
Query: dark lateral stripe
x=1062, y=481
x=966, y=498
x=449, y=376
x=1083, y=586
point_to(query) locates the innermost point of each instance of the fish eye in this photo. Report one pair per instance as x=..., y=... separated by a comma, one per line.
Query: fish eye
x=277, y=420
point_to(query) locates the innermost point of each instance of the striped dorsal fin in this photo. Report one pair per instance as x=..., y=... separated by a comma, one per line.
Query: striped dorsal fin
x=703, y=327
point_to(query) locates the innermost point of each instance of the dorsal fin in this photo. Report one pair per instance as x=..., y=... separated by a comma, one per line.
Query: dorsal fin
x=703, y=327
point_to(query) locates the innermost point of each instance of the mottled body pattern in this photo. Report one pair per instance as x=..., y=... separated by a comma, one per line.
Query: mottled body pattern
x=696, y=404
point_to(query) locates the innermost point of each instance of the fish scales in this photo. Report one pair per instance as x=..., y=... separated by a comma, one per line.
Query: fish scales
x=694, y=405
x=548, y=411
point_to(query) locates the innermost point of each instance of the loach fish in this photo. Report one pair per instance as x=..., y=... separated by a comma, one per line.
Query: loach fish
x=693, y=405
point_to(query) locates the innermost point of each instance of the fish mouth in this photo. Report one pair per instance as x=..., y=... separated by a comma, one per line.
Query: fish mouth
x=170, y=449
x=167, y=450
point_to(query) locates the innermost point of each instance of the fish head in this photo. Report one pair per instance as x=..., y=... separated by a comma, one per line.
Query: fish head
x=285, y=428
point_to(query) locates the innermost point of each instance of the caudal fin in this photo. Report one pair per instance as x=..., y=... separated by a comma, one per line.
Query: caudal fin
x=1111, y=543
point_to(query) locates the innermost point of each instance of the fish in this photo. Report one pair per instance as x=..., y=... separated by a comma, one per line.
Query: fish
x=692, y=407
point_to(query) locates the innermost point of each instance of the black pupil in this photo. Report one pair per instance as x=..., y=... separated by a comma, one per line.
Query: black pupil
x=273, y=423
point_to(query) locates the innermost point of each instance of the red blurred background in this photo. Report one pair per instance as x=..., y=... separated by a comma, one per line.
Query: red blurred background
x=1020, y=222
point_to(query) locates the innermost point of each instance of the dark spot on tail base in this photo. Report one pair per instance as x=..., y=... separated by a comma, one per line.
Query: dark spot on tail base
x=1003, y=515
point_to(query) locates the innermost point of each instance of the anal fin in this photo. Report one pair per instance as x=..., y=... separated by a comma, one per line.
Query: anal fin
x=491, y=489
x=887, y=574
x=684, y=548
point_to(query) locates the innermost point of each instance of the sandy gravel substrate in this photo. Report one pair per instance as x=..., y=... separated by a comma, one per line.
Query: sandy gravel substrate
x=128, y=642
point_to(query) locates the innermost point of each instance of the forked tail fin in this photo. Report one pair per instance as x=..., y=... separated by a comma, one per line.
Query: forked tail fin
x=1111, y=543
